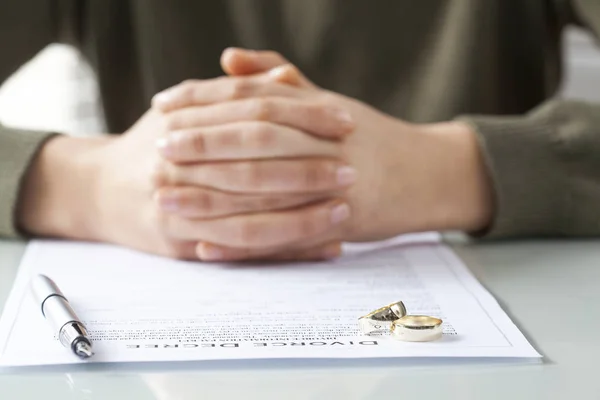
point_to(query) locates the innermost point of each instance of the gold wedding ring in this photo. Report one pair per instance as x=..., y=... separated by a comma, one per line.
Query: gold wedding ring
x=382, y=318
x=416, y=328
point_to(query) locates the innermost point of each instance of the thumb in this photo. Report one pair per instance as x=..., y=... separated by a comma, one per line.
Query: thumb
x=236, y=61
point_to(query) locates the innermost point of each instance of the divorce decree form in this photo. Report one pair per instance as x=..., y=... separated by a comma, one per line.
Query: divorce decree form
x=139, y=307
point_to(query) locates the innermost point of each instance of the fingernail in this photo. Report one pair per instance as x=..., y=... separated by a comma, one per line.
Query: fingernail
x=346, y=176
x=167, y=201
x=164, y=147
x=210, y=253
x=162, y=98
x=331, y=251
x=344, y=117
x=275, y=72
x=340, y=213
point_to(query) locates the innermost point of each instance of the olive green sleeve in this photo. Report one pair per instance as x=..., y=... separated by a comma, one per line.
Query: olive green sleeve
x=26, y=27
x=545, y=169
x=545, y=165
x=17, y=149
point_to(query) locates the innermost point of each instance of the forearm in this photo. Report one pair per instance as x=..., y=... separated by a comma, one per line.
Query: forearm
x=58, y=195
x=462, y=194
x=436, y=181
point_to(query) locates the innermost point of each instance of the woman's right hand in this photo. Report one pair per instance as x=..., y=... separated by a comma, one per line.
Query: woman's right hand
x=108, y=189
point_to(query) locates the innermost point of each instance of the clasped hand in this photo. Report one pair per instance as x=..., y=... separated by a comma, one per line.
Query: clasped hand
x=263, y=164
x=253, y=167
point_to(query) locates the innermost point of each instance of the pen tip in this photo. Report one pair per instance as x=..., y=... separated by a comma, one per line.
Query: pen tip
x=83, y=350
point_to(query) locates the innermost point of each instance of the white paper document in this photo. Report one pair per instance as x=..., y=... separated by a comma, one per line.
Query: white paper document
x=139, y=307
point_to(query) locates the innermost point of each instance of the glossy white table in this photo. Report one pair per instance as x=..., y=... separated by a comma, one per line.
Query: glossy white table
x=551, y=290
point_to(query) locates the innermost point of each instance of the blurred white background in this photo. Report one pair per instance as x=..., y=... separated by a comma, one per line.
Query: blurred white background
x=54, y=91
x=57, y=91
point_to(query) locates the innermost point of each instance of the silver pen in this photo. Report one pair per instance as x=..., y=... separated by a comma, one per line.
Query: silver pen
x=56, y=310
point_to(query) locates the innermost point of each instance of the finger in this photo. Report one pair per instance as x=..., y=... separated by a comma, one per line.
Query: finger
x=329, y=242
x=291, y=75
x=212, y=252
x=310, y=175
x=243, y=141
x=265, y=230
x=210, y=91
x=236, y=62
x=178, y=250
x=308, y=116
x=204, y=203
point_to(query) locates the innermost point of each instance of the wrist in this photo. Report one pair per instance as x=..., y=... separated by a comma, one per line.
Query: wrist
x=58, y=194
x=462, y=189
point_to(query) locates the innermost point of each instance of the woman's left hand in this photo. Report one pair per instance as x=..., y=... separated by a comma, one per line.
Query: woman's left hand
x=409, y=178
